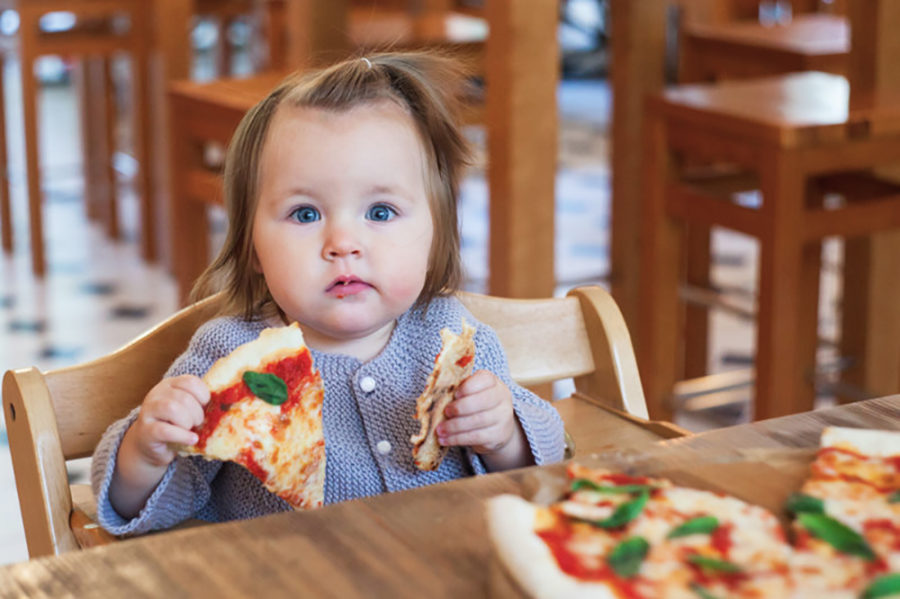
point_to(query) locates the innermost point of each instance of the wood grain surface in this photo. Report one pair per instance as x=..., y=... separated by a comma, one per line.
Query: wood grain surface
x=431, y=541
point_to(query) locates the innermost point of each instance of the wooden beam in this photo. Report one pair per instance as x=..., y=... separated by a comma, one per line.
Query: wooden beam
x=522, y=64
x=316, y=32
x=638, y=53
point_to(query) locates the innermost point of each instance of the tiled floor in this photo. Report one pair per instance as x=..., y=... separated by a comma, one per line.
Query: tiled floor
x=99, y=294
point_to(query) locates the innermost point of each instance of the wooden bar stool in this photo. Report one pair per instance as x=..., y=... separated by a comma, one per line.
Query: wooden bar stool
x=102, y=28
x=791, y=131
x=726, y=47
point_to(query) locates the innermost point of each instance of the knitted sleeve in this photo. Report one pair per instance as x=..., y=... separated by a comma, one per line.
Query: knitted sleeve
x=185, y=486
x=539, y=419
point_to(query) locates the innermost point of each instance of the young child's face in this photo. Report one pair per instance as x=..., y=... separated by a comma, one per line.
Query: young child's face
x=343, y=229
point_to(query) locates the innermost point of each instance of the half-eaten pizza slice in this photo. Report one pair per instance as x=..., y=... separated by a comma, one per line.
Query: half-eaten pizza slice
x=451, y=367
x=265, y=413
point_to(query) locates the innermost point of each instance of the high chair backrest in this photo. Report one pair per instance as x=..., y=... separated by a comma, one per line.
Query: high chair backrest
x=61, y=414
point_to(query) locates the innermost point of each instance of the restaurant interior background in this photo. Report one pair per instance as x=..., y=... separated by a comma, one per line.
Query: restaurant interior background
x=98, y=293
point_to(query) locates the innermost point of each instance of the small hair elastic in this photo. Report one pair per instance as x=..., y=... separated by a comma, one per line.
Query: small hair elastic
x=367, y=61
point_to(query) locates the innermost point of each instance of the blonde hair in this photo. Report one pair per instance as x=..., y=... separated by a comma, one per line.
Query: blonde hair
x=425, y=84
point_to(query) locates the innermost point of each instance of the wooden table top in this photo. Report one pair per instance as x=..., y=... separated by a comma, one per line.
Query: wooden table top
x=792, y=110
x=813, y=34
x=429, y=541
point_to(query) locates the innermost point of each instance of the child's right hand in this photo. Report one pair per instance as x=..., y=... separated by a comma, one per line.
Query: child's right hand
x=169, y=412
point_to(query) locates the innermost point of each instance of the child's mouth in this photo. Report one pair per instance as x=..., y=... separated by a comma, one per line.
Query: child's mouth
x=346, y=286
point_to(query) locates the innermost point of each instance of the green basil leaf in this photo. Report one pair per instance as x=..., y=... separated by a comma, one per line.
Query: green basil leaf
x=800, y=503
x=836, y=534
x=894, y=497
x=625, y=513
x=711, y=563
x=700, y=525
x=267, y=386
x=701, y=591
x=583, y=483
x=625, y=559
x=883, y=586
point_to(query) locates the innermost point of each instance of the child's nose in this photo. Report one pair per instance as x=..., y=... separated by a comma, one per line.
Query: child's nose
x=341, y=243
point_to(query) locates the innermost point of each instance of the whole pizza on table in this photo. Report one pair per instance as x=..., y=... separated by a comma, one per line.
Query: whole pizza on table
x=612, y=535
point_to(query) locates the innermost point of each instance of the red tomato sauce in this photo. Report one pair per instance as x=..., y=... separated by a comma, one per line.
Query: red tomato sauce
x=295, y=371
x=883, y=529
x=827, y=466
x=557, y=539
x=624, y=479
x=246, y=459
x=720, y=539
x=464, y=361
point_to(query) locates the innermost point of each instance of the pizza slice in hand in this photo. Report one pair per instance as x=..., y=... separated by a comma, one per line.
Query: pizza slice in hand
x=265, y=413
x=452, y=366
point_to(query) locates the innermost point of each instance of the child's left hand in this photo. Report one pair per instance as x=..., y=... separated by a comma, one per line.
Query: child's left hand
x=481, y=416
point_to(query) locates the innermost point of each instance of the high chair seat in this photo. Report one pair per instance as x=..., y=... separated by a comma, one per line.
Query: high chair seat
x=790, y=132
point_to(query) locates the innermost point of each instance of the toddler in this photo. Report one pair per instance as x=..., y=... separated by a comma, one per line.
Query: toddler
x=341, y=191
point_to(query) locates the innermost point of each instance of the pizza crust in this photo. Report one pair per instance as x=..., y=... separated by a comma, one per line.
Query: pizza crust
x=511, y=523
x=271, y=344
x=452, y=366
x=875, y=443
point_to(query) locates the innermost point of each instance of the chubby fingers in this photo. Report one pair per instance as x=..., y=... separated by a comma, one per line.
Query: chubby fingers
x=474, y=395
x=480, y=415
x=192, y=385
x=165, y=432
x=178, y=402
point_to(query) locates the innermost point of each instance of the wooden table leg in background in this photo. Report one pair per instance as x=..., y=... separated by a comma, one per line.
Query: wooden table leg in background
x=29, y=19
x=870, y=330
x=170, y=60
x=638, y=55
x=781, y=386
x=6, y=228
x=870, y=323
x=188, y=228
x=110, y=122
x=143, y=144
x=522, y=73
x=658, y=340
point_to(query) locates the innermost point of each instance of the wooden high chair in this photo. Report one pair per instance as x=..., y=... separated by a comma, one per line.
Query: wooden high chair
x=801, y=136
x=60, y=415
x=102, y=28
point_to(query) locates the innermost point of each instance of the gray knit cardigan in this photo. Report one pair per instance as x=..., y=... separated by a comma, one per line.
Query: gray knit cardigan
x=367, y=448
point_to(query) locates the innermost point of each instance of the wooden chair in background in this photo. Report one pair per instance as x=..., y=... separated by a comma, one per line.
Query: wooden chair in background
x=98, y=32
x=803, y=135
x=60, y=415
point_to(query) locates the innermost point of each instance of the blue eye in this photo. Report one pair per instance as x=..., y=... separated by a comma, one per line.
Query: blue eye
x=305, y=214
x=381, y=212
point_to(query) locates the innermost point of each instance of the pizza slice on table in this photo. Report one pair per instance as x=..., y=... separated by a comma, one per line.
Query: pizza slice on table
x=847, y=517
x=452, y=366
x=613, y=535
x=265, y=413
